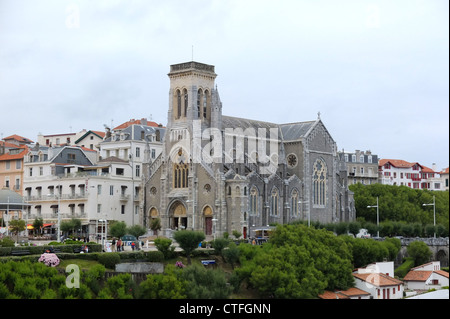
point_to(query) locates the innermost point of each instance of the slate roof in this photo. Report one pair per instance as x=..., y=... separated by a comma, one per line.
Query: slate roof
x=128, y=131
x=286, y=132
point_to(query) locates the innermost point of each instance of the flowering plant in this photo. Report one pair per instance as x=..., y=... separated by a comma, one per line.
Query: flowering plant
x=179, y=264
x=49, y=259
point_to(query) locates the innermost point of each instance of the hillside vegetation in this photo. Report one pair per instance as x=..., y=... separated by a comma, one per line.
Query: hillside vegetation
x=400, y=204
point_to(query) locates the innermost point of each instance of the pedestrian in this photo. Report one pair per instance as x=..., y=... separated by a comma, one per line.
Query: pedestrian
x=133, y=245
x=119, y=244
x=113, y=244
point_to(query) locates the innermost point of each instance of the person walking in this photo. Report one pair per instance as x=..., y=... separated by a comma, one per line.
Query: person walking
x=113, y=244
x=119, y=244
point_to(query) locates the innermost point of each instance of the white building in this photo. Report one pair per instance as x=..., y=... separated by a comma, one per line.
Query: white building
x=412, y=175
x=377, y=279
x=64, y=180
x=138, y=143
x=427, y=276
x=444, y=178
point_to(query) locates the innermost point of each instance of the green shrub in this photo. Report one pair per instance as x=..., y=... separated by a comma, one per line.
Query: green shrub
x=109, y=260
x=164, y=245
x=155, y=256
x=5, y=251
x=404, y=268
x=6, y=242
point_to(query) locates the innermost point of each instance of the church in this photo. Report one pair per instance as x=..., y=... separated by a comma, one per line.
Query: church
x=220, y=174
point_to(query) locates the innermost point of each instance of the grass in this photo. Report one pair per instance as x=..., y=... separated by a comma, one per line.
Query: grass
x=83, y=264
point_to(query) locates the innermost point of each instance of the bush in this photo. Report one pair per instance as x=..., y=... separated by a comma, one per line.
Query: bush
x=420, y=252
x=404, y=268
x=6, y=242
x=49, y=260
x=109, y=260
x=155, y=256
x=164, y=246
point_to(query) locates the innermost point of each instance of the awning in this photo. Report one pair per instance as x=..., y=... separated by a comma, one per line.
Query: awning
x=30, y=226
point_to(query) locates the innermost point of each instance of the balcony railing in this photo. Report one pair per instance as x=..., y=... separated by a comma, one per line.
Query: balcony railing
x=53, y=197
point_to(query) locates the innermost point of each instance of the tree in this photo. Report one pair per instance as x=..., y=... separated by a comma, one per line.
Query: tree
x=231, y=254
x=168, y=285
x=70, y=225
x=219, y=245
x=420, y=252
x=118, y=229
x=164, y=246
x=17, y=225
x=136, y=230
x=202, y=283
x=38, y=224
x=155, y=225
x=188, y=241
x=298, y=262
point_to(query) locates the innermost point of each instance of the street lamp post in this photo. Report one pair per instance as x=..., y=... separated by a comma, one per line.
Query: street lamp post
x=434, y=213
x=378, y=217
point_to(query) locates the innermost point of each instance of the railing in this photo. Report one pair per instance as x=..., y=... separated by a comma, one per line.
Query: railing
x=54, y=197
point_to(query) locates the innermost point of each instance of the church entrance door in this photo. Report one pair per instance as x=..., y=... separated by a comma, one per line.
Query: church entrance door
x=178, y=216
x=207, y=213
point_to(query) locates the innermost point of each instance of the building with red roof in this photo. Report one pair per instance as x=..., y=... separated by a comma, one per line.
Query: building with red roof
x=411, y=174
x=12, y=152
x=426, y=276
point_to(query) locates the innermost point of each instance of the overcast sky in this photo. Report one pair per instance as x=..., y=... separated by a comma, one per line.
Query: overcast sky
x=378, y=71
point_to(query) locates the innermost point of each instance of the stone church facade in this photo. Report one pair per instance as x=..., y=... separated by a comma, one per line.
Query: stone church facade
x=218, y=173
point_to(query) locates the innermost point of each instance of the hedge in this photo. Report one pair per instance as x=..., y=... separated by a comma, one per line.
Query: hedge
x=38, y=250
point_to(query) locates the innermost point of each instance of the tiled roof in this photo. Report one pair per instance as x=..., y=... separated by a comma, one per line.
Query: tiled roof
x=345, y=294
x=352, y=292
x=332, y=295
x=418, y=275
x=378, y=279
x=442, y=273
x=18, y=138
x=8, y=156
x=8, y=144
x=423, y=275
x=137, y=122
x=404, y=164
x=396, y=163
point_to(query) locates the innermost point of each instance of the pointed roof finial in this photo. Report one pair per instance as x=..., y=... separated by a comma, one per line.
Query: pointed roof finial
x=318, y=115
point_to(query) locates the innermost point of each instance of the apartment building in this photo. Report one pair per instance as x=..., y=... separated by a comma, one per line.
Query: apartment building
x=414, y=175
x=12, y=152
x=362, y=167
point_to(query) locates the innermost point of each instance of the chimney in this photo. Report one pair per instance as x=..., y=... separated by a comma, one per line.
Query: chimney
x=434, y=167
x=144, y=121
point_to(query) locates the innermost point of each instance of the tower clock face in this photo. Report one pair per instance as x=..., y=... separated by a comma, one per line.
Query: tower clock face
x=292, y=160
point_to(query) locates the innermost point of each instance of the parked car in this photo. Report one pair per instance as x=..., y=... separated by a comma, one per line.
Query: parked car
x=363, y=233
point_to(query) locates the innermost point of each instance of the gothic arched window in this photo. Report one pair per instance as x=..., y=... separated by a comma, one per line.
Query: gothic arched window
x=254, y=201
x=205, y=104
x=294, y=203
x=185, y=95
x=180, y=175
x=319, y=183
x=274, y=202
x=178, y=115
x=199, y=102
